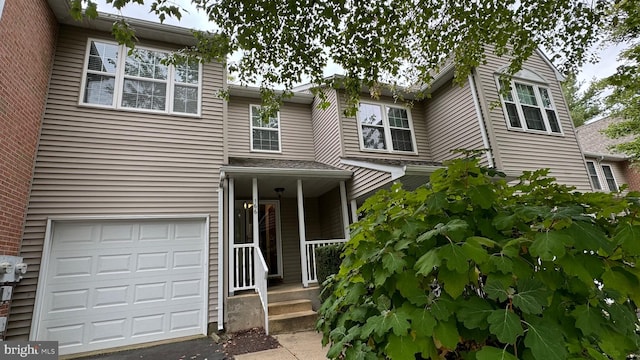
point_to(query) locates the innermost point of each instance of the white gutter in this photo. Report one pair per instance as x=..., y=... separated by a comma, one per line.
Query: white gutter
x=395, y=171
x=221, y=277
x=483, y=130
x=608, y=157
x=288, y=172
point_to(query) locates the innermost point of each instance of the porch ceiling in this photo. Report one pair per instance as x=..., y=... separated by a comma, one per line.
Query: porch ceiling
x=316, y=178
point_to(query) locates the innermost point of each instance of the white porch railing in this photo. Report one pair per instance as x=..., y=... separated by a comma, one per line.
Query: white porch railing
x=261, y=275
x=310, y=247
x=245, y=275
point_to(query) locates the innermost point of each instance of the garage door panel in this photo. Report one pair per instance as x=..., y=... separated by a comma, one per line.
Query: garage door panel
x=116, y=283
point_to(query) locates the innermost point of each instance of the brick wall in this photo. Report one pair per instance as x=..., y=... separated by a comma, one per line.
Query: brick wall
x=27, y=41
x=632, y=175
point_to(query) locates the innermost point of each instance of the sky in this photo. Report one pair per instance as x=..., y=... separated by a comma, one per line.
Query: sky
x=197, y=20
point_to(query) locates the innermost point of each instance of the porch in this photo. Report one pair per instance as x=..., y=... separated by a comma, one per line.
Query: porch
x=276, y=214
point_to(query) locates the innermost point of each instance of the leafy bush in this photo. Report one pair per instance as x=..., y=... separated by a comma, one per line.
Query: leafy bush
x=327, y=263
x=469, y=267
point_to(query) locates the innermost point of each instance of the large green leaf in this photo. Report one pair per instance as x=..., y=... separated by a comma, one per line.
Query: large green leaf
x=401, y=347
x=446, y=333
x=545, y=341
x=492, y=353
x=437, y=201
x=628, y=236
x=454, y=282
x=393, y=261
x=409, y=287
x=475, y=252
x=549, y=245
x=482, y=195
x=394, y=321
x=530, y=296
x=505, y=325
x=427, y=262
x=422, y=321
x=473, y=313
x=504, y=221
x=574, y=267
x=496, y=289
x=589, y=237
x=455, y=257
x=588, y=319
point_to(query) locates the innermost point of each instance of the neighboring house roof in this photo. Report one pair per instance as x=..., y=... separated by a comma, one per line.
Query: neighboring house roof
x=596, y=144
x=143, y=28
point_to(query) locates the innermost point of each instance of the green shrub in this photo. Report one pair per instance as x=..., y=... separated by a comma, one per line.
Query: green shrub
x=467, y=267
x=328, y=260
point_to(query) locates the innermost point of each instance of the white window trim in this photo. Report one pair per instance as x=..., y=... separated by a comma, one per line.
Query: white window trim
x=279, y=151
x=387, y=130
x=523, y=122
x=120, y=77
x=613, y=176
x=597, y=175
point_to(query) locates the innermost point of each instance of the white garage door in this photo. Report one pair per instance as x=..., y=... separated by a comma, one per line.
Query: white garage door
x=114, y=283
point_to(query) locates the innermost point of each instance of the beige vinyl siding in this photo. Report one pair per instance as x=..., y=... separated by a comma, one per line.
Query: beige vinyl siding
x=330, y=210
x=452, y=121
x=291, y=270
x=365, y=180
x=94, y=162
x=517, y=150
x=295, y=126
x=352, y=138
x=327, y=137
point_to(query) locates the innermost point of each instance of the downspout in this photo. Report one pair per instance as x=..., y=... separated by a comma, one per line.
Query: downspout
x=221, y=277
x=483, y=129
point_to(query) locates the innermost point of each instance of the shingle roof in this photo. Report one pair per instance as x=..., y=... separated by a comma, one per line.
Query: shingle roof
x=394, y=162
x=279, y=164
x=593, y=141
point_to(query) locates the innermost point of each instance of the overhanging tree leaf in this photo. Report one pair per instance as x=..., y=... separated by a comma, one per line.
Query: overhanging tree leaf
x=545, y=341
x=549, y=245
x=492, y=353
x=505, y=325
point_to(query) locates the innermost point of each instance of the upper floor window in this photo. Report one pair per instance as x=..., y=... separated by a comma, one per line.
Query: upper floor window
x=386, y=128
x=139, y=81
x=529, y=107
x=265, y=133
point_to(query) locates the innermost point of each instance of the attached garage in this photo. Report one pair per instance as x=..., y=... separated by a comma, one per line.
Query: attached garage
x=109, y=283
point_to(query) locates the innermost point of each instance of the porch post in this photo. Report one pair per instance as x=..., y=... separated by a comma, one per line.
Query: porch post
x=303, y=236
x=354, y=211
x=232, y=236
x=256, y=218
x=345, y=209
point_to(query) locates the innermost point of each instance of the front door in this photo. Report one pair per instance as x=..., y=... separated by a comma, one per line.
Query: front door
x=269, y=230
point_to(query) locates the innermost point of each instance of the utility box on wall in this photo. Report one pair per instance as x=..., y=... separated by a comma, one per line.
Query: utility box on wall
x=11, y=269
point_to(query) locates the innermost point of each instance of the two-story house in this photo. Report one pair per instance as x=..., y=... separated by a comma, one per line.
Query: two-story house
x=157, y=209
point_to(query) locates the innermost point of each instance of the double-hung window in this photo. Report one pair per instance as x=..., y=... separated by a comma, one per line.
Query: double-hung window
x=385, y=128
x=265, y=133
x=593, y=175
x=529, y=107
x=608, y=177
x=140, y=80
x=596, y=180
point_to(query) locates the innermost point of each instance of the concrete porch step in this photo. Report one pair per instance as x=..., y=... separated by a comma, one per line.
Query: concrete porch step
x=291, y=306
x=292, y=322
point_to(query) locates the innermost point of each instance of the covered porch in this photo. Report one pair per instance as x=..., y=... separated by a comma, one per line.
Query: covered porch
x=277, y=212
